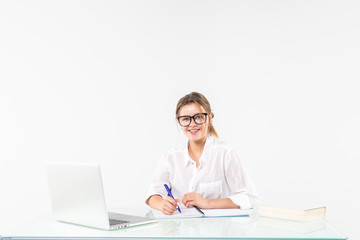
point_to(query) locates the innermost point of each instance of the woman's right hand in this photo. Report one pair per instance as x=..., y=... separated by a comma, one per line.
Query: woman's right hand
x=169, y=205
x=166, y=205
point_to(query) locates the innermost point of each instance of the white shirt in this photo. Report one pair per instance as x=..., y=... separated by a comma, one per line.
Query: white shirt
x=219, y=175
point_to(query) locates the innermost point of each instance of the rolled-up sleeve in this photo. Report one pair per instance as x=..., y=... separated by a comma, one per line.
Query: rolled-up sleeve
x=242, y=190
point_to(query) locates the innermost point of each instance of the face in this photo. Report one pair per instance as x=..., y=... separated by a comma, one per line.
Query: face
x=195, y=132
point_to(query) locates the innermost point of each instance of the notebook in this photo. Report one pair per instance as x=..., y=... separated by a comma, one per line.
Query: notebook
x=77, y=196
x=192, y=212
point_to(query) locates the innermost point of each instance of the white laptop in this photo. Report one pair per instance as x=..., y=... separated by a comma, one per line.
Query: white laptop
x=77, y=196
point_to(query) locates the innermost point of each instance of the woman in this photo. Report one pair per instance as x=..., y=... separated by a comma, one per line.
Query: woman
x=207, y=173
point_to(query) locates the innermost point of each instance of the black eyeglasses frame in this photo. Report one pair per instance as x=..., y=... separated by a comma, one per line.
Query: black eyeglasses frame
x=193, y=117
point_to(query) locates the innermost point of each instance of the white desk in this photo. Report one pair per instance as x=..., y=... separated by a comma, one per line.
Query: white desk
x=44, y=227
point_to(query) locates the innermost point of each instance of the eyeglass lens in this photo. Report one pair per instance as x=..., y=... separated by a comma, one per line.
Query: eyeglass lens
x=199, y=118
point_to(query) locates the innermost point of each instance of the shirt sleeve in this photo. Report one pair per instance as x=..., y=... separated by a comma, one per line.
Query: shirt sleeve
x=243, y=192
x=160, y=177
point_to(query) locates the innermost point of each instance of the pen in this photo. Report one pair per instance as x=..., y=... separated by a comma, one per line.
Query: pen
x=199, y=210
x=170, y=194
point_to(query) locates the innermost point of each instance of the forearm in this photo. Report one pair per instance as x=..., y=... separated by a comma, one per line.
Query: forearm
x=221, y=203
x=194, y=199
x=155, y=201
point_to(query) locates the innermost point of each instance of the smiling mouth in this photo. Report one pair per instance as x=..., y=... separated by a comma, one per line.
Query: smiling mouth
x=194, y=131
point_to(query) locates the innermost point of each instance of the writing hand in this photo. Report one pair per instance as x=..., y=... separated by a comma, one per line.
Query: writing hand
x=169, y=205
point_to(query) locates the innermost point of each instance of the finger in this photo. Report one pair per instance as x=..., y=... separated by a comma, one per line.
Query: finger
x=189, y=203
x=189, y=196
x=170, y=200
x=186, y=201
x=170, y=206
x=167, y=212
x=185, y=198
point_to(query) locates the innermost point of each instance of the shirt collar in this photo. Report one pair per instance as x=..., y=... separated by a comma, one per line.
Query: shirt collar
x=206, y=152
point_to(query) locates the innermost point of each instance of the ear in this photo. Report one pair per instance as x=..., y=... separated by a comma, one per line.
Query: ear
x=211, y=116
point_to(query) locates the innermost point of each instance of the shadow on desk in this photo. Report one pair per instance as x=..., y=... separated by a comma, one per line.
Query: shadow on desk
x=293, y=226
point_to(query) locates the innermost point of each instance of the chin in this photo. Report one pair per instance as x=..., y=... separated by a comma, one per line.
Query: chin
x=196, y=138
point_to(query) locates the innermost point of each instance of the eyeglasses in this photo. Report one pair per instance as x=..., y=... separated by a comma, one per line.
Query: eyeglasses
x=199, y=119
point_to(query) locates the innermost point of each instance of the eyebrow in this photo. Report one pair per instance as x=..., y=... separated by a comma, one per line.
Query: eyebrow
x=189, y=115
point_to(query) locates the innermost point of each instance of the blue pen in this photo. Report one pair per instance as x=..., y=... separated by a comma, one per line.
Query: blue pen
x=170, y=194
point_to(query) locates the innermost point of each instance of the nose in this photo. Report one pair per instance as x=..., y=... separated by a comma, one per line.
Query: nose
x=192, y=122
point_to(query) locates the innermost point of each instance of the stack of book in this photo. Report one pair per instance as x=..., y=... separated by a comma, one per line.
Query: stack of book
x=291, y=219
x=301, y=215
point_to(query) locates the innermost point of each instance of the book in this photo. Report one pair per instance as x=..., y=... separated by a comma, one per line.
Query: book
x=293, y=214
x=192, y=212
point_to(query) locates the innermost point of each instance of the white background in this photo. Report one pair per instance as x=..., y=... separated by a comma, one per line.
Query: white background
x=99, y=80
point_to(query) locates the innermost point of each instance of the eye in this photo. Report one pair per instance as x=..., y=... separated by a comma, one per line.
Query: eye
x=185, y=119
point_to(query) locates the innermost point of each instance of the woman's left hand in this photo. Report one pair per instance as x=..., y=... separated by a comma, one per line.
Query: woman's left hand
x=194, y=199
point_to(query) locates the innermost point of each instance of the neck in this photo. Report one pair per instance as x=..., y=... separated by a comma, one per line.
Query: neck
x=196, y=149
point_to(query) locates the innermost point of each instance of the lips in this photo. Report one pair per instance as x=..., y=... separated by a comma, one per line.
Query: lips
x=194, y=131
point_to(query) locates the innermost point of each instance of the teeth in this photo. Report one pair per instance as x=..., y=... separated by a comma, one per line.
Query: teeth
x=193, y=130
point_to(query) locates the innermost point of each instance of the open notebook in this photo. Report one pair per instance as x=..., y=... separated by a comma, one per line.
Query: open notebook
x=192, y=212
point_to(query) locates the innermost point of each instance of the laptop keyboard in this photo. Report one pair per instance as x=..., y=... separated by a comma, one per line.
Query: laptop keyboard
x=116, y=221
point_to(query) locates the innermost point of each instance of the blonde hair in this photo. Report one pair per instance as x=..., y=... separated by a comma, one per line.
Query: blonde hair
x=198, y=98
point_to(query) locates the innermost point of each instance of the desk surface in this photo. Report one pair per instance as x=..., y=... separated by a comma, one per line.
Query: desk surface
x=253, y=227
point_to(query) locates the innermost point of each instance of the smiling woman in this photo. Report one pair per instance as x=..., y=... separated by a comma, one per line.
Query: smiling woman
x=207, y=173
x=199, y=103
